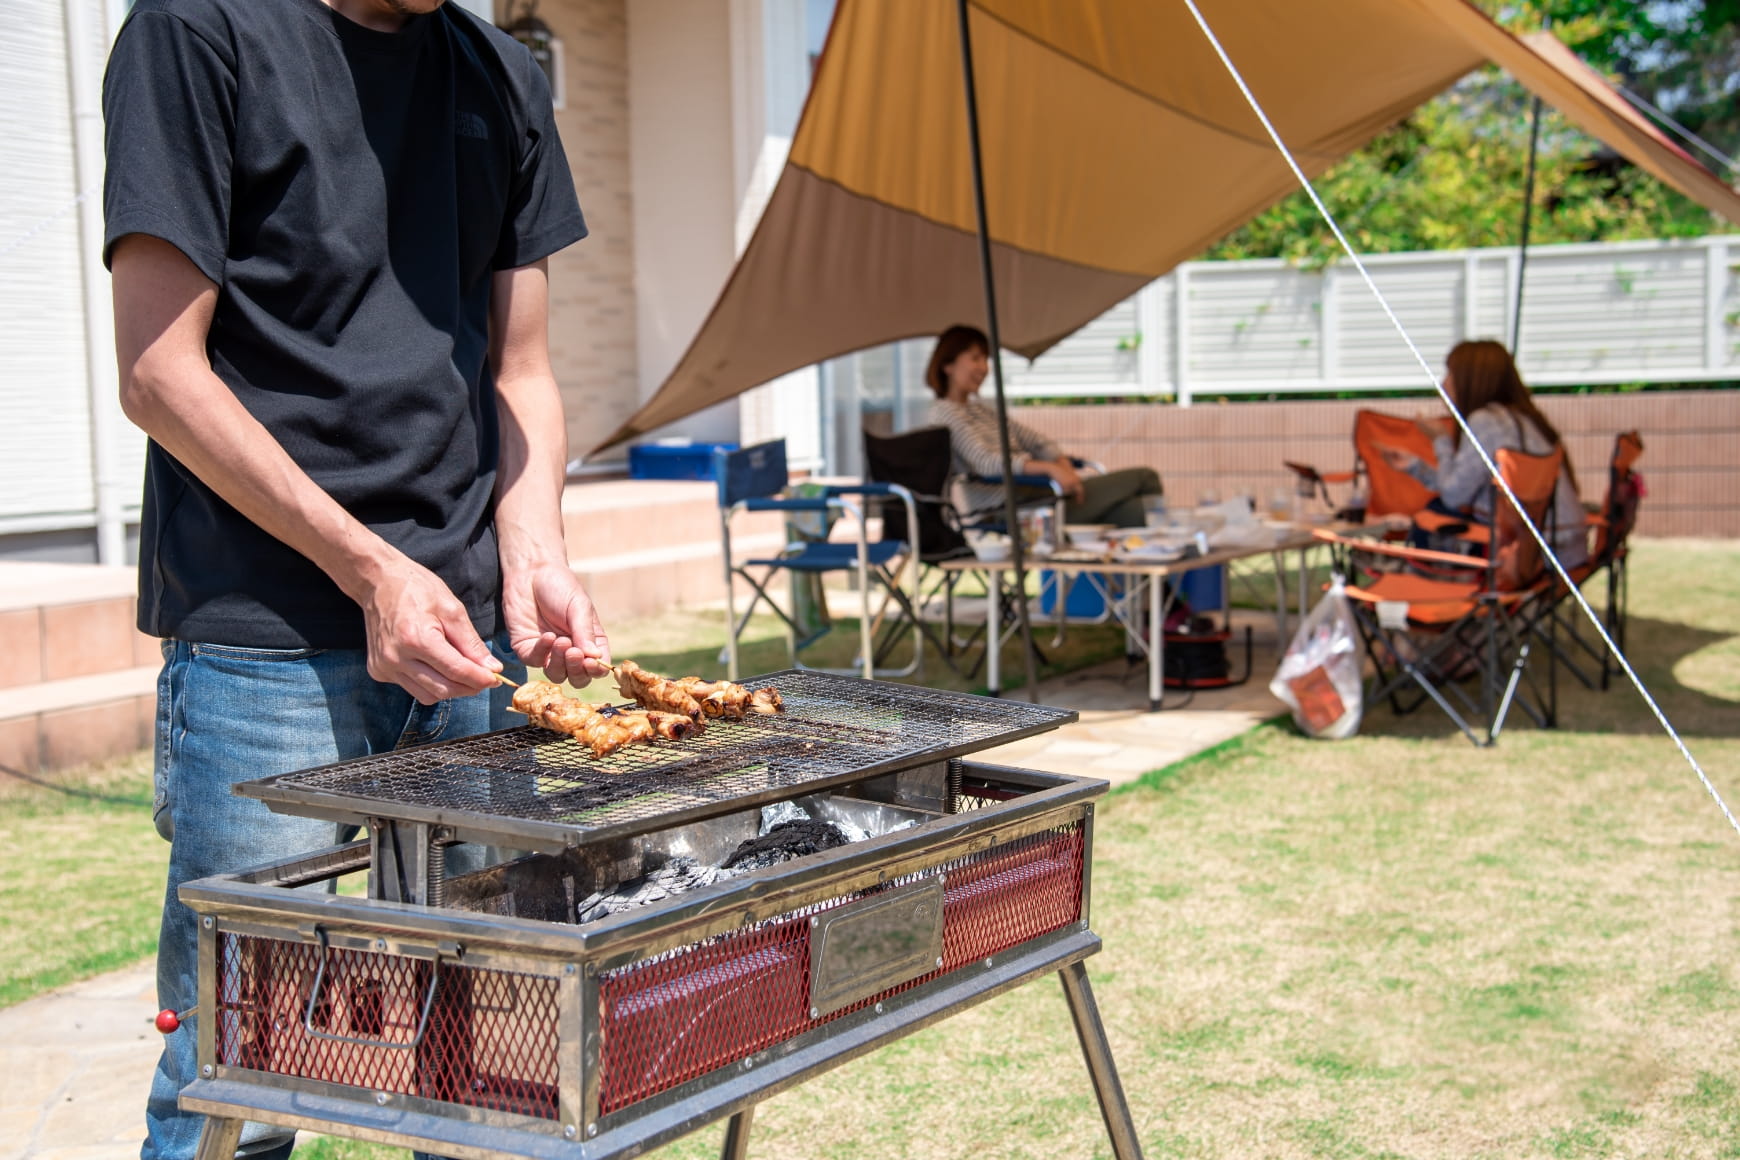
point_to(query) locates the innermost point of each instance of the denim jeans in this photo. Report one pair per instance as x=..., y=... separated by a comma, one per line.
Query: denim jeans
x=227, y=714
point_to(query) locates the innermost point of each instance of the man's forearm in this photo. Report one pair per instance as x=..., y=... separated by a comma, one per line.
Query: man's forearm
x=533, y=467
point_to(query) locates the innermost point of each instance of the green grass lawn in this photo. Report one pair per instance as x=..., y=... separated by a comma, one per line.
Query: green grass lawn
x=1394, y=946
x=81, y=875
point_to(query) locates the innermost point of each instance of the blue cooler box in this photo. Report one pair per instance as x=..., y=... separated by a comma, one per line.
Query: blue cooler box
x=1203, y=588
x=1085, y=601
x=673, y=460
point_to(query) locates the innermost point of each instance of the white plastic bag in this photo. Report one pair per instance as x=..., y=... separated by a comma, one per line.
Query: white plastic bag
x=1320, y=678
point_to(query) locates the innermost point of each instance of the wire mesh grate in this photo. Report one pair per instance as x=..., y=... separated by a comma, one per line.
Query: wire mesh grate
x=678, y=1016
x=834, y=728
x=490, y=1040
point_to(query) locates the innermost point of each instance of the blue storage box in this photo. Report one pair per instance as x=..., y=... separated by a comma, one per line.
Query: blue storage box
x=1085, y=601
x=673, y=460
x=1204, y=588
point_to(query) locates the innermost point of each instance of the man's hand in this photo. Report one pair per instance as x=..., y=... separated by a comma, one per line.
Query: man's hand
x=1067, y=478
x=1397, y=458
x=553, y=625
x=420, y=637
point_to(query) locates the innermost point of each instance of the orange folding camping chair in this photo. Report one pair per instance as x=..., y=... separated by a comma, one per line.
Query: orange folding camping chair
x=1426, y=635
x=1612, y=526
x=1388, y=491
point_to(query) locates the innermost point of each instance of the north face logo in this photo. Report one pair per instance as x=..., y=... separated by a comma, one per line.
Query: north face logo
x=470, y=125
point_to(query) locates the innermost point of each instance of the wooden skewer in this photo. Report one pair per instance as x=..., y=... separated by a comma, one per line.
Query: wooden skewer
x=505, y=681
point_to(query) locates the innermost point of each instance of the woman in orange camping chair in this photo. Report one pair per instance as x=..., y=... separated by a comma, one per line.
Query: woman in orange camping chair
x=1483, y=381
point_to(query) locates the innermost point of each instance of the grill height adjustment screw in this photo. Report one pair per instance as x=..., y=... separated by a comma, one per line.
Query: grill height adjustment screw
x=939, y=964
x=381, y=1098
x=208, y=1071
x=569, y=1131
x=878, y=1008
x=209, y=922
x=380, y=944
x=568, y=968
x=591, y=1130
x=815, y=1013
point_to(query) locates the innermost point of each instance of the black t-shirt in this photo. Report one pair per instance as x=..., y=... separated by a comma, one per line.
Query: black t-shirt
x=351, y=192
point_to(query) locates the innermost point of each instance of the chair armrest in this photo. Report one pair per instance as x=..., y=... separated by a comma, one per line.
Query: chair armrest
x=1044, y=481
x=1401, y=552
x=771, y=504
x=866, y=488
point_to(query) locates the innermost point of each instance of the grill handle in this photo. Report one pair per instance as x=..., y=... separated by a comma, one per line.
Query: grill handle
x=355, y=1040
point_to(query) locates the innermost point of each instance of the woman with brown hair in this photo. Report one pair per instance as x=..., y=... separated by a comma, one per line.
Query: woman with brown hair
x=1483, y=381
x=957, y=370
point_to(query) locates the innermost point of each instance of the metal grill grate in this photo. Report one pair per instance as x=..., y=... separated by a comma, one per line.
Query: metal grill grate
x=490, y=1042
x=677, y=1017
x=528, y=783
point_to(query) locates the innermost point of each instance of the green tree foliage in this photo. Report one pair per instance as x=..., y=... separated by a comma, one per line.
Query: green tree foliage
x=1452, y=174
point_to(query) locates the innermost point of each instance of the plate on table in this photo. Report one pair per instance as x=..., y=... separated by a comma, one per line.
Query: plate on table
x=1086, y=535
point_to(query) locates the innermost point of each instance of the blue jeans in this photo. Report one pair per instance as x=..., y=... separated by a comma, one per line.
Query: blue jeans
x=228, y=714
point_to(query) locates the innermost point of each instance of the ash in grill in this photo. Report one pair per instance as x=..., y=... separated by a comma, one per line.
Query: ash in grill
x=694, y=925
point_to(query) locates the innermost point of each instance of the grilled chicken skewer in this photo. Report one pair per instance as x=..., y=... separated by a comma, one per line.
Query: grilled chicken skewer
x=652, y=691
x=547, y=705
x=694, y=696
x=724, y=699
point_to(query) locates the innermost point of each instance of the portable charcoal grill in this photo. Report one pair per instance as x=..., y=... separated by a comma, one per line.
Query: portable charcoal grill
x=473, y=1015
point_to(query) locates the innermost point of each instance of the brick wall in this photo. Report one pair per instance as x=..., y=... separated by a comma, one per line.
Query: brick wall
x=592, y=323
x=1691, y=460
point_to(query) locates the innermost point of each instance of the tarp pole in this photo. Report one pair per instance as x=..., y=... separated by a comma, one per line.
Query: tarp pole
x=1522, y=264
x=1017, y=552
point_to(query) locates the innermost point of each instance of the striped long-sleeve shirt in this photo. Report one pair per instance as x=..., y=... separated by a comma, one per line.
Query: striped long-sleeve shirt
x=973, y=440
x=1462, y=482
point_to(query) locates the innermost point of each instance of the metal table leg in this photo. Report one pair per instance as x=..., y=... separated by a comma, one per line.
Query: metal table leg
x=1304, y=573
x=1101, y=1067
x=1156, y=640
x=737, y=1135
x=218, y=1139
x=1280, y=562
x=993, y=632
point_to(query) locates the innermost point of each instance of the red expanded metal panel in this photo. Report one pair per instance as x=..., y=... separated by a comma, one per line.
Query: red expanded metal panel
x=491, y=1041
x=675, y=1018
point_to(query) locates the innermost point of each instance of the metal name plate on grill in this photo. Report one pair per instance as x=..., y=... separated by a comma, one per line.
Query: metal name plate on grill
x=866, y=947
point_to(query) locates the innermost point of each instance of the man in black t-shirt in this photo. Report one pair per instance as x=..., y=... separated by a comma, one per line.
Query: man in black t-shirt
x=328, y=225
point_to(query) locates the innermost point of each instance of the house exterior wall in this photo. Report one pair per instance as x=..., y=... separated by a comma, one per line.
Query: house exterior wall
x=683, y=104
x=593, y=348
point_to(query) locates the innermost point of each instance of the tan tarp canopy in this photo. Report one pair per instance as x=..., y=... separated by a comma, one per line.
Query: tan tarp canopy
x=1115, y=147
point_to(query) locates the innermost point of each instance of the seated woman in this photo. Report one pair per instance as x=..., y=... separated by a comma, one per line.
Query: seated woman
x=1483, y=381
x=957, y=369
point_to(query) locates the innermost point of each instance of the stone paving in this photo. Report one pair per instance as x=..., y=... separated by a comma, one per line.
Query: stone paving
x=75, y=1063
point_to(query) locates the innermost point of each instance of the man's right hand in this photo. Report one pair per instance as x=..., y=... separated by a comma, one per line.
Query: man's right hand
x=1067, y=478
x=420, y=637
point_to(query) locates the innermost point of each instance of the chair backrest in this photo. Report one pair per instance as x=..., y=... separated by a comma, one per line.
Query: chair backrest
x=1624, y=494
x=750, y=473
x=1390, y=491
x=920, y=462
x=1534, y=479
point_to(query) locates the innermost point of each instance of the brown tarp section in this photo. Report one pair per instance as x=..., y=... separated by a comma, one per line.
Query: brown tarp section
x=1115, y=146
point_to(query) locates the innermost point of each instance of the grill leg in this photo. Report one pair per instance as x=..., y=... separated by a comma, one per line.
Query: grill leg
x=218, y=1139
x=736, y=1135
x=1101, y=1068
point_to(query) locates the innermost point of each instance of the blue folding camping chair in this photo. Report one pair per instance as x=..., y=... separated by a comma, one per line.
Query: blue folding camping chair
x=754, y=479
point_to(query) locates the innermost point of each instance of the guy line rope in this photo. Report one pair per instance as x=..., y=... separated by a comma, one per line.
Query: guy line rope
x=1461, y=422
